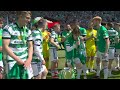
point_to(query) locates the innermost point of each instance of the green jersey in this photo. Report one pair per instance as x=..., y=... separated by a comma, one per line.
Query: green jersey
x=83, y=31
x=112, y=34
x=80, y=52
x=18, y=37
x=37, y=43
x=117, y=45
x=70, y=42
x=54, y=35
x=1, y=43
x=101, y=35
x=64, y=35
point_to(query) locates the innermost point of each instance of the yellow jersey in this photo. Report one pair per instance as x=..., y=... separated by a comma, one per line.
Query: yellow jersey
x=45, y=35
x=91, y=42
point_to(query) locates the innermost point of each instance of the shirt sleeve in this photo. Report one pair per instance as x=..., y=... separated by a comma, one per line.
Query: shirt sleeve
x=105, y=33
x=30, y=38
x=63, y=35
x=6, y=32
x=52, y=35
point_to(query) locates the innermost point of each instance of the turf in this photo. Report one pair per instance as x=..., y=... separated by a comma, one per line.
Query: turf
x=61, y=55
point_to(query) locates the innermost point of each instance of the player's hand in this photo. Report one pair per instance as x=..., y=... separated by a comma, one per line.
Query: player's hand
x=78, y=42
x=45, y=37
x=58, y=47
x=63, y=39
x=92, y=36
x=105, y=54
x=81, y=38
x=27, y=63
x=20, y=62
x=43, y=62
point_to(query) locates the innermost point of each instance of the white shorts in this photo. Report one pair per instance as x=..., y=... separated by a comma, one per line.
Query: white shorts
x=1, y=63
x=29, y=70
x=42, y=69
x=117, y=52
x=38, y=68
x=53, y=54
x=101, y=56
x=77, y=61
x=111, y=53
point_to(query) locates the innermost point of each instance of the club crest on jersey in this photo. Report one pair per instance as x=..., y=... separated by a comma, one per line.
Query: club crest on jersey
x=20, y=37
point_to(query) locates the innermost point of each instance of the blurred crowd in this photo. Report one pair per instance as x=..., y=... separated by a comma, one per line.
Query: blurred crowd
x=67, y=16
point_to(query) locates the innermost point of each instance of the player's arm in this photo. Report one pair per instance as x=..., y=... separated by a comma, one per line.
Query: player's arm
x=37, y=46
x=83, y=37
x=52, y=42
x=107, y=44
x=30, y=54
x=86, y=39
x=0, y=48
x=30, y=49
x=38, y=53
x=106, y=37
x=70, y=48
x=8, y=50
x=6, y=36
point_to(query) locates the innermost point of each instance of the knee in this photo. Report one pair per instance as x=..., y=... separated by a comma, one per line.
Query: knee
x=1, y=76
x=98, y=61
x=105, y=67
x=78, y=63
x=55, y=61
x=45, y=72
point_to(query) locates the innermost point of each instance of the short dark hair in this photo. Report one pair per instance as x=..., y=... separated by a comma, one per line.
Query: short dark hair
x=75, y=21
x=40, y=23
x=110, y=24
x=104, y=23
x=76, y=31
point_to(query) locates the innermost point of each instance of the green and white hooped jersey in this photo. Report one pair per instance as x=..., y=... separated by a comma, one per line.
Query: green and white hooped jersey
x=54, y=35
x=112, y=34
x=37, y=42
x=17, y=44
